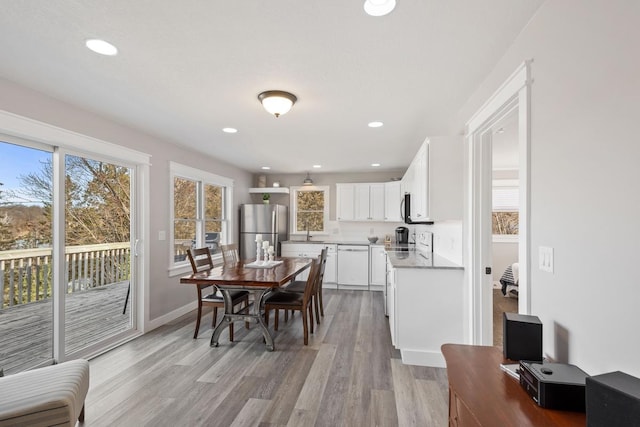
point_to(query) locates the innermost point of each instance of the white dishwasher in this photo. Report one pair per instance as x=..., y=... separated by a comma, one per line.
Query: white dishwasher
x=353, y=266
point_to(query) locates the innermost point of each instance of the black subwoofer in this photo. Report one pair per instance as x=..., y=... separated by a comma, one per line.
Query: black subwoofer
x=613, y=400
x=522, y=337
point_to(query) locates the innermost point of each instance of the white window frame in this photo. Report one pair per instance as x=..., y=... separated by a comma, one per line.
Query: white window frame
x=509, y=204
x=177, y=170
x=293, y=197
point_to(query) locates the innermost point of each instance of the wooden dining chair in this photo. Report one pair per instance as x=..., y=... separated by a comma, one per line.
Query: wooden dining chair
x=301, y=302
x=230, y=253
x=200, y=260
x=300, y=285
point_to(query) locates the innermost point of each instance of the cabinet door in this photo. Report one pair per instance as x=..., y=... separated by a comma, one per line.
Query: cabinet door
x=377, y=265
x=391, y=302
x=345, y=197
x=420, y=194
x=362, y=202
x=392, y=199
x=376, y=202
x=330, y=274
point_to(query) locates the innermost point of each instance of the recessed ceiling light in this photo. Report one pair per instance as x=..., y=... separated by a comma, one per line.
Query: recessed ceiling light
x=379, y=7
x=317, y=166
x=375, y=124
x=102, y=47
x=229, y=130
x=375, y=165
x=266, y=168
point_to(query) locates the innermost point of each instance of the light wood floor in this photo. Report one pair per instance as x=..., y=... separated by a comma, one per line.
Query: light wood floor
x=348, y=375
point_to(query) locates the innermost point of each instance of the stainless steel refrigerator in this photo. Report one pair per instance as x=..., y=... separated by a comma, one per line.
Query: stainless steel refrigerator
x=272, y=221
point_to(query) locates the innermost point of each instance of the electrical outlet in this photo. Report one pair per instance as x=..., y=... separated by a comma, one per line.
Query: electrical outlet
x=545, y=259
x=162, y=235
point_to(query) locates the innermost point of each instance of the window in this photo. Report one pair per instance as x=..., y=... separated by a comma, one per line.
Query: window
x=309, y=209
x=505, y=200
x=201, y=214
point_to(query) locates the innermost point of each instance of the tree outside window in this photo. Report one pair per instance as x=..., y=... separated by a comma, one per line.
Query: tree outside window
x=310, y=209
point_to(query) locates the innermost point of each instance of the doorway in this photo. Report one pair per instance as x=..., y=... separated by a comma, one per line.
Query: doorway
x=512, y=98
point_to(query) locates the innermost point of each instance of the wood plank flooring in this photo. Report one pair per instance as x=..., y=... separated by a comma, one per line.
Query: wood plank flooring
x=348, y=375
x=26, y=330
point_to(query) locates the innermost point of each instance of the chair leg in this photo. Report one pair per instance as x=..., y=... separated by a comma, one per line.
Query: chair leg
x=246, y=306
x=317, y=309
x=286, y=315
x=275, y=322
x=305, y=327
x=231, y=331
x=321, y=303
x=310, y=316
x=81, y=416
x=195, y=335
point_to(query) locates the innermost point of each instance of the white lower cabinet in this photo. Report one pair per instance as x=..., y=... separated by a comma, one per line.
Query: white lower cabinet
x=377, y=266
x=426, y=310
x=330, y=268
x=312, y=250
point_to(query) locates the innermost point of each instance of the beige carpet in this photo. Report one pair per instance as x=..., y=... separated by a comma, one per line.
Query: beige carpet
x=501, y=304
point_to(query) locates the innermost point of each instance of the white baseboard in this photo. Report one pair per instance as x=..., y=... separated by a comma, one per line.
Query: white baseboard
x=434, y=359
x=159, y=321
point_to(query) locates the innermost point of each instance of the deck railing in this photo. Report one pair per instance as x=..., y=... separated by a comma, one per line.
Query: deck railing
x=26, y=276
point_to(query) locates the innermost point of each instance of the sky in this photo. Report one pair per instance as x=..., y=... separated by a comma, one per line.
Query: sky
x=16, y=160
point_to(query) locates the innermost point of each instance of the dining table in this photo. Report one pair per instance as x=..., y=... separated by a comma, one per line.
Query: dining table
x=257, y=277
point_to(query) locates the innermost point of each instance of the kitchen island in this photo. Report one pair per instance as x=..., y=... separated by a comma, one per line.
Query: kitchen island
x=425, y=304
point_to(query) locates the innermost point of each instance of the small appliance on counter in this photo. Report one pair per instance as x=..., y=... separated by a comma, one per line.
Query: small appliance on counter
x=402, y=235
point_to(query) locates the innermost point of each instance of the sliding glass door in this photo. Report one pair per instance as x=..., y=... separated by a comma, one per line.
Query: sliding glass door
x=67, y=256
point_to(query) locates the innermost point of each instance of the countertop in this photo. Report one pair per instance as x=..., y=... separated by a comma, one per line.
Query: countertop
x=413, y=259
x=330, y=242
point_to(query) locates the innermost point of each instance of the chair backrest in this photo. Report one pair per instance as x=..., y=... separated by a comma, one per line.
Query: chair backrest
x=312, y=280
x=230, y=253
x=323, y=263
x=200, y=259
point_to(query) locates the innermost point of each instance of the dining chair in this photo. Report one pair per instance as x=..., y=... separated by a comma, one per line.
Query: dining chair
x=301, y=302
x=200, y=260
x=230, y=253
x=299, y=287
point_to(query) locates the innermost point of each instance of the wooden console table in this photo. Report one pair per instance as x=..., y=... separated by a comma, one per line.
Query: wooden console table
x=481, y=394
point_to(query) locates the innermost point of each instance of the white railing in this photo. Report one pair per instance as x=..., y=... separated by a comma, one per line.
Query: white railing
x=25, y=274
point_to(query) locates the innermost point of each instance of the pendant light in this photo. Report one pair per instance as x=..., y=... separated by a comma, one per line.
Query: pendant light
x=307, y=181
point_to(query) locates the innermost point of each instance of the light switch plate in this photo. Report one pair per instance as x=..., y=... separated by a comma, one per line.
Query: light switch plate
x=162, y=235
x=545, y=259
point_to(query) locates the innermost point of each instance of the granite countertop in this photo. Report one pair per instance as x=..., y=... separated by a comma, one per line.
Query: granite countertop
x=330, y=242
x=414, y=259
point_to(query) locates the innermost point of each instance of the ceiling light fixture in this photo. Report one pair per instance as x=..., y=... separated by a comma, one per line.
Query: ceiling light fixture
x=307, y=181
x=277, y=102
x=375, y=165
x=375, y=124
x=317, y=166
x=379, y=7
x=229, y=130
x=265, y=168
x=102, y=47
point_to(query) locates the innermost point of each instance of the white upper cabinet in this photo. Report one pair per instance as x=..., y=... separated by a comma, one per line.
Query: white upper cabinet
x=393, y=195
x=360, y=202
x=345, y=202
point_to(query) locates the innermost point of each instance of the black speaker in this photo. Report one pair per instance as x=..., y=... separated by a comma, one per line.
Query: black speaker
x=522, y=337
x=613, y=400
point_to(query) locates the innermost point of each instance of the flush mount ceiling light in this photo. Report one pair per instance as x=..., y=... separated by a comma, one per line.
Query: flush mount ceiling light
x=277, y=102
x=307, y=181
x=102, y=47
x=379, y=7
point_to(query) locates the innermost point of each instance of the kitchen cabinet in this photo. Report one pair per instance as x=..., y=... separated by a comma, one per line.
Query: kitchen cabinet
x=419, y=184
x=312, y=250
x=345, y=202
x=425, y=307
x=377, y=266
x=360, y=202
x=392, y=198
x=353, y=266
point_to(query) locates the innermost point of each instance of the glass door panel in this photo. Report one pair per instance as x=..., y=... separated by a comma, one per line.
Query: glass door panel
x=26, y=316
x=98, y=253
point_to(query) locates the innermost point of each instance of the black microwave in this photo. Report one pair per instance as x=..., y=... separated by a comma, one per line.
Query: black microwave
x=405, y=211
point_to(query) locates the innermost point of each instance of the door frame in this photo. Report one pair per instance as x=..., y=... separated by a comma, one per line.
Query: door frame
x=514, y=93
x=63, y=140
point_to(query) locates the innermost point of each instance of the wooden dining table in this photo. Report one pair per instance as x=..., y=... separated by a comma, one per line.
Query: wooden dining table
x=245, y=275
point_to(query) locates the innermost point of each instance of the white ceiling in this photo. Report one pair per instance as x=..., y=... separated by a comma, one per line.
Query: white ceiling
x=188, y=68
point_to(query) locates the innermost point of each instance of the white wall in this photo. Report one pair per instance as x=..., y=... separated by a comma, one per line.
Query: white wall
x=166, y=294
x=585, y=104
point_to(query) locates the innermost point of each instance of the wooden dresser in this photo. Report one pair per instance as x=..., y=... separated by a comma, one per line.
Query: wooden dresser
x=481, y=394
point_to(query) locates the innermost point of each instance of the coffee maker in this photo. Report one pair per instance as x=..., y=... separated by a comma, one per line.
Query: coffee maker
x=402, y=235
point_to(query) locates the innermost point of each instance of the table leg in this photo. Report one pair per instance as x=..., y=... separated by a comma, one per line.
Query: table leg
x=255, y=313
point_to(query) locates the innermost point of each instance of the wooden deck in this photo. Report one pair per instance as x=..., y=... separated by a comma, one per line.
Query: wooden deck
x=26, y=330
